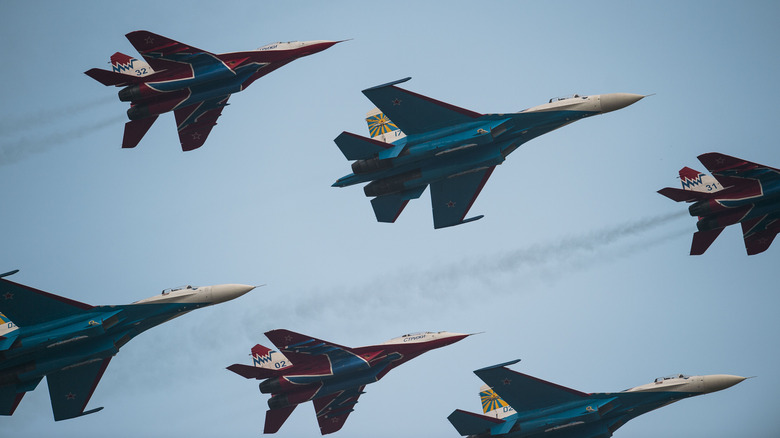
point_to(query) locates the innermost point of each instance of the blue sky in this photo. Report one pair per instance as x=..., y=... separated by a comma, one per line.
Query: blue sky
x=579, y=267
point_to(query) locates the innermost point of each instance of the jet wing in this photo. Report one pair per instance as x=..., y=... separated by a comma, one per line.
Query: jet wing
x=452, y=198
x=71, y=388
x=414, y=113
x=302, y=348
x=195, y=122
x=333, y=410
x=27, y=306
x=721, y=165
x=160, y=52
x=760, y=232
x=524, y=392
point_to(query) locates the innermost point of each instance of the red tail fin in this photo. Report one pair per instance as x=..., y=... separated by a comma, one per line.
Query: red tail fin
x=275, y=418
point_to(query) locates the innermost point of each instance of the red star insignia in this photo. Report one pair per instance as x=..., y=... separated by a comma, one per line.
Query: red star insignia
x=196, y=136
x=70, y=396
x=8, y=296
x=507, y=382
x=720, y=160
x=149, y=40
x=396, y=102
x=450, y=204
x=288, y=338
x=334, y=420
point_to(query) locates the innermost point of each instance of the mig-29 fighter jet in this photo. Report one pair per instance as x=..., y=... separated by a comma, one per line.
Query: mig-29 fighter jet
x=418, y=141
x=71, y=343
x=738, y=191
x=193, y=83
x=517, y=405
x=331, y=375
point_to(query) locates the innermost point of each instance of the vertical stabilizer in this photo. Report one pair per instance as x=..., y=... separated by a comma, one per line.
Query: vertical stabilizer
x=698, y=182
x=8, y=332
x=493, y=405
x=126, y=64
x=264, y=357
x=381, y=128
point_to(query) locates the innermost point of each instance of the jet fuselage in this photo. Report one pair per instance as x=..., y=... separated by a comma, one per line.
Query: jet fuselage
x=467, y=147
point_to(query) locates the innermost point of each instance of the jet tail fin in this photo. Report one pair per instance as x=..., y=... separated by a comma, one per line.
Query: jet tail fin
x=128, y=65
x=8, y=332
x=469, y=423
x=267, y=364
x=698, y=182
x=381, y=128
x=492, y=404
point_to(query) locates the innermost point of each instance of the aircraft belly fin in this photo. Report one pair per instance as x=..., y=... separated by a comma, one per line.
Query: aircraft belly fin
x=356, y=147
x=195, y=122
x=71, y=388
x=451, y=198
x=469, y=423
x=703, y=239
x=387, y=208
x=275, y=418
x=11, y=395
x=414, y=113
x=333, y=410
x=135, y=130
x=27, y=306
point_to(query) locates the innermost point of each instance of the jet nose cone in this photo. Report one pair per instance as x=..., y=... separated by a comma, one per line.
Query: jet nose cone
x=718, y=382
x=616, y=101
x=226, y=292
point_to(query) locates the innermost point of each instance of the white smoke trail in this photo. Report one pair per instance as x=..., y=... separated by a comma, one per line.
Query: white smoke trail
x=10, y=126
x=455, y=282
x=20, y=149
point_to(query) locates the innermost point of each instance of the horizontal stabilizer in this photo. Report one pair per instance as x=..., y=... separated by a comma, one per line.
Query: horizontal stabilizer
x=356, y=147
x=7, y=339
x=703, y=239
x=109, y=78
x=680, y=195
x=252, y=372
x=469, y=423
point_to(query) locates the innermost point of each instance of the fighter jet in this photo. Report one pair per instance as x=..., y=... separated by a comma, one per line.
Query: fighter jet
x=418, y=141
x=738, y=191
x=193, y=83
x=332, y=376
x=71, y=343
x=517, y=405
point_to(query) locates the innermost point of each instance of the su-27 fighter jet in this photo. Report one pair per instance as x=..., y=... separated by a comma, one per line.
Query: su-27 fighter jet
x=517, y=405
x=738, y=191
x=71, y=343
x=331, y=375
x=193, y=83
x=418, y=141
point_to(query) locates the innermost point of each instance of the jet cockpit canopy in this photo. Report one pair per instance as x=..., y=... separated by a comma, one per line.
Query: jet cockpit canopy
x=174, y=289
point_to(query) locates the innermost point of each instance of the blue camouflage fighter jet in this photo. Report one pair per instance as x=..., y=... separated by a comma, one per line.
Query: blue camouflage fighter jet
x=418, y=141
x=517, y=405
x=71, y=343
